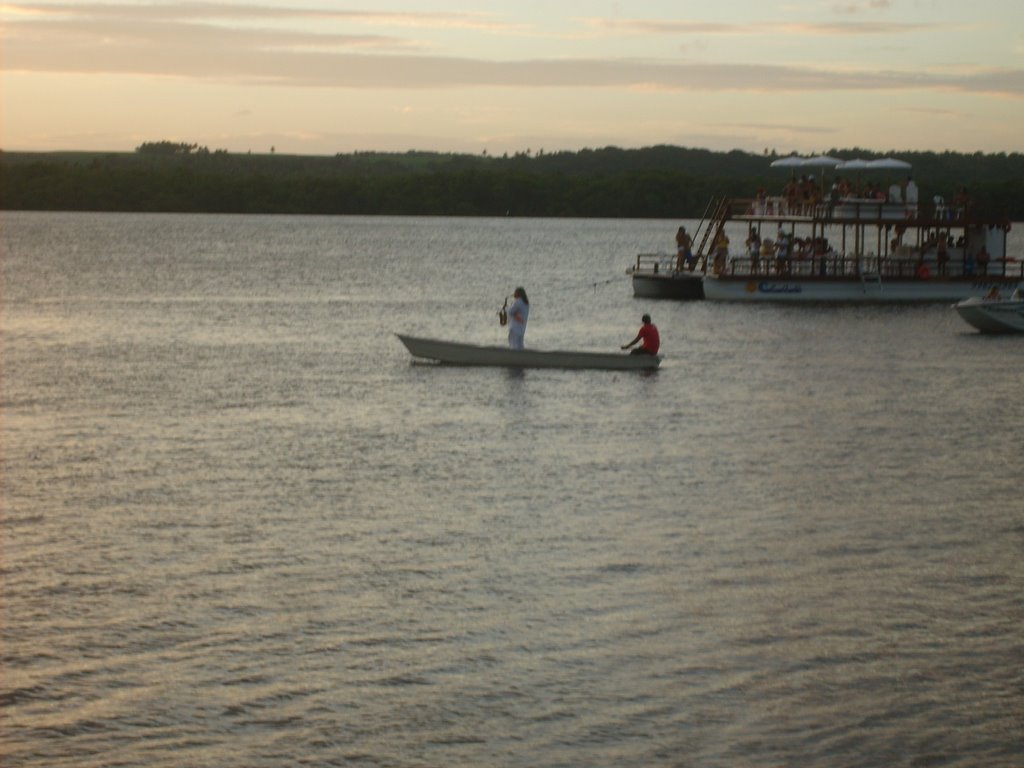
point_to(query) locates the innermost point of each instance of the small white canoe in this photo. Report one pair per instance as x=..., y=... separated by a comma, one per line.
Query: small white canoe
x=992, y=316
x=455, y=353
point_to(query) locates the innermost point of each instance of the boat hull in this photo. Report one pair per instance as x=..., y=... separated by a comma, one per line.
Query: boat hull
x=455, y=353
x=852, y=290
x=992, y=316
x=680, y=286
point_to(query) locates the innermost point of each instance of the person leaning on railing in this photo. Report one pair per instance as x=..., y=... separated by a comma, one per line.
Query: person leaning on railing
x=982, y=259
x=754, y=249
x=968, y=263
x=910, y=196
x=941, y=254
x=961, y=203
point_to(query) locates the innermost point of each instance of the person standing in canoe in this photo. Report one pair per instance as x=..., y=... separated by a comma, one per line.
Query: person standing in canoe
x=516, y=316
x=648, y=337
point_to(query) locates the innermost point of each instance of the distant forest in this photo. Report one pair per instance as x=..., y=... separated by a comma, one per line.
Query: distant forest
x=655, y=182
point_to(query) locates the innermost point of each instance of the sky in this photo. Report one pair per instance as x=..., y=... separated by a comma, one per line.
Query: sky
x=317, y=78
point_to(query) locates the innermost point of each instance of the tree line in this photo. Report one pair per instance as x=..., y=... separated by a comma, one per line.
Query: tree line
x=654, y=182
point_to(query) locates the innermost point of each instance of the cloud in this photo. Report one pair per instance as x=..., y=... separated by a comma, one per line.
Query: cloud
x=257, y=59
x=933, y=112
x=180, y=27
x=162, y=12
x=663, y=27
x=863, y=7
x=789, y=128
x=180, y=40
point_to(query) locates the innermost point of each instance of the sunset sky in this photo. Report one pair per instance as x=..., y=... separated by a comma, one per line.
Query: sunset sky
x=317, y=77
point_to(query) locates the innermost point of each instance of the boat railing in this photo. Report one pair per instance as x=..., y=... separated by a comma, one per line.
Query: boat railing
x=819, y=266
x=655, y=263
x=849, y=211
x=885, y=267
x=663, y=263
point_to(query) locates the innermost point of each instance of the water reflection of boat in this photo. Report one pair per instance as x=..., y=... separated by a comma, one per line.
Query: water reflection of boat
x=994, y=316
x=457, y=353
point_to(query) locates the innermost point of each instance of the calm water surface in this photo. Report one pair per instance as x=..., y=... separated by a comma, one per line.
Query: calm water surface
x=241, y=528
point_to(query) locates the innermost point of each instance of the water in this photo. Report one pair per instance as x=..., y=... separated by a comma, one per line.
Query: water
x=241, y=528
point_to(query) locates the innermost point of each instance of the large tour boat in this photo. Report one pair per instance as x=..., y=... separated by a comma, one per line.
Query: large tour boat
x=844, y=248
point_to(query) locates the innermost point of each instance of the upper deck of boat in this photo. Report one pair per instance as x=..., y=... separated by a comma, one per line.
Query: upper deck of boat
x=851, y=211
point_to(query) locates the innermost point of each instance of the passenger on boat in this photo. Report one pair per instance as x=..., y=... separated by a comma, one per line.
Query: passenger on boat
x=808, y=194
x=791, y=193
x=968, y=263
x=518, y=313
x=760, y=202
x=895, y=193
x=648, y=337
x=754, y=249
x=803, y=248
x=825, y=253
x=982, y=258
x=783, y=247
x=767, y=254
x=922, y=271
x=941, y=254
x=961, y=203
x=721, y=252
x=684, y=252
x=910, y=196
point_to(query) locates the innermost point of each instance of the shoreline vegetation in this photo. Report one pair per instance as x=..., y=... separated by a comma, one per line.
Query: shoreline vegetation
x=655, y=182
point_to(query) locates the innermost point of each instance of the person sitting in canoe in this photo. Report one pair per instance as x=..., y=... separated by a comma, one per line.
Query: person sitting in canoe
x=516, y=316
x=648, y=338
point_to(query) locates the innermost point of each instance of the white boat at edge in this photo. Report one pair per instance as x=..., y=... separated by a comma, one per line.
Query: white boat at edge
x=992, y=316
x=458, y=353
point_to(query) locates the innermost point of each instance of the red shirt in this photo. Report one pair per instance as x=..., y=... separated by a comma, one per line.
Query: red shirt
x=649, y=338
